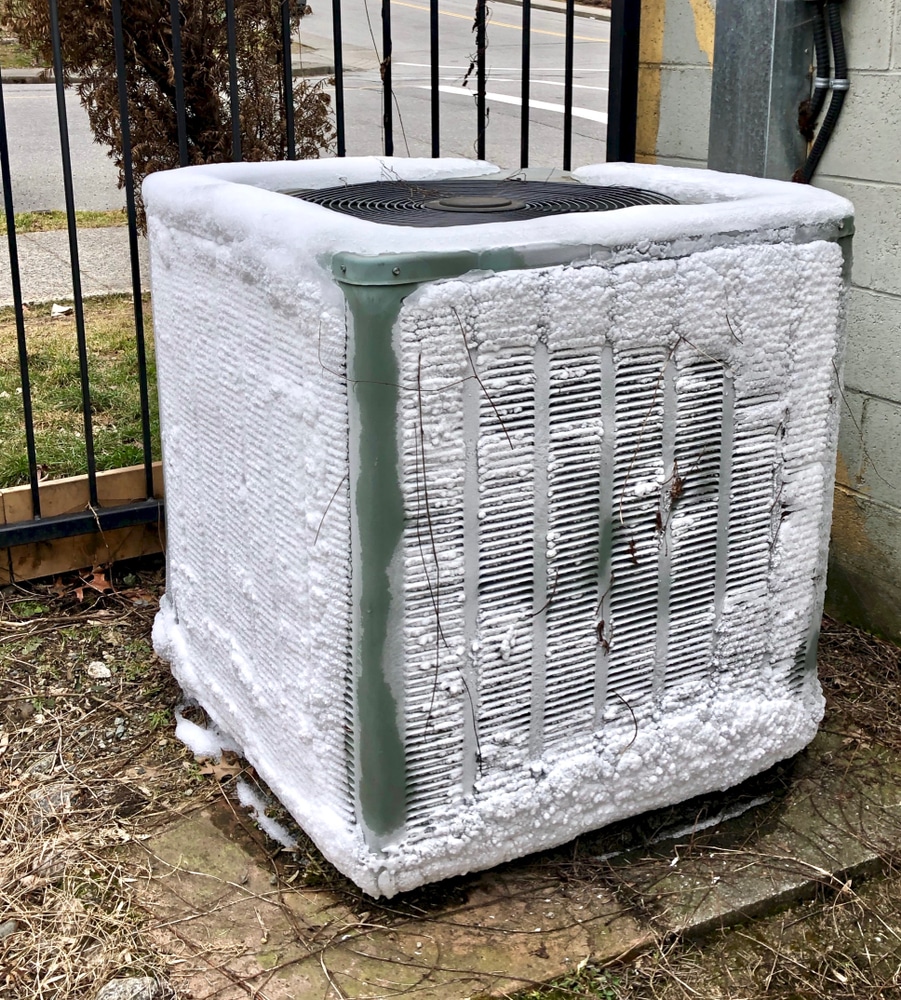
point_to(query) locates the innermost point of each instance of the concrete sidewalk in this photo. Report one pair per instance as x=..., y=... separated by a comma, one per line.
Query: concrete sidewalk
x=45, y=264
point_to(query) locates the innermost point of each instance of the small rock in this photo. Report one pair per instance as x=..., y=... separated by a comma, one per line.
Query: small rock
x=52, y=801
x=43, y=765
x=99, y=670
x=136, y=988
x=8, y=927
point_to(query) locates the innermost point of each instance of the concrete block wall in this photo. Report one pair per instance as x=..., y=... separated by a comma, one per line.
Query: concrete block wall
x=674, y=81
x=863, y=163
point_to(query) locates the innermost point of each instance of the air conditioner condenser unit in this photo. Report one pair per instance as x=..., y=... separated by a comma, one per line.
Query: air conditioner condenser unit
x=497, y=504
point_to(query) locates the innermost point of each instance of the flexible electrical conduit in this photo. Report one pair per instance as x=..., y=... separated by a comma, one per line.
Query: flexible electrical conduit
x=839, y=84
x=809, y=111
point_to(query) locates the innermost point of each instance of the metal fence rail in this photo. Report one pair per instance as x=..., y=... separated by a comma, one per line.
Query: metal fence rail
x=621, y=111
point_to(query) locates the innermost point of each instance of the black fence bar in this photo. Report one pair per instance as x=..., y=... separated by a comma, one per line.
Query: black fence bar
x=68, y=189
x=387, y=91
x=128, y=177
x=84, y=522
x=340, y=146
x=622, y=98
x=568, y=58
x=481, y=74
x=288, y=81
x=526, y=72
x=21, y=342
x=179, y=72
x=232, y=34
x=435, y=56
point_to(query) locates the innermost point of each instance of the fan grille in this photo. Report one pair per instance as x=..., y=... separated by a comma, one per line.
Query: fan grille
x=472, y=201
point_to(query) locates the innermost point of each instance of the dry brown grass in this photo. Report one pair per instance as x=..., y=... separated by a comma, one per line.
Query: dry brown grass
x=86, y=768
x=861, y=677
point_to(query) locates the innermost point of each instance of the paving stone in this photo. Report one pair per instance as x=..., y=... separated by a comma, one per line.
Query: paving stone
x=501, y=931
x=836, y=823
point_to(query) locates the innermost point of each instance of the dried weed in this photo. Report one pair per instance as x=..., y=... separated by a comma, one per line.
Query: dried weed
x=83, y=774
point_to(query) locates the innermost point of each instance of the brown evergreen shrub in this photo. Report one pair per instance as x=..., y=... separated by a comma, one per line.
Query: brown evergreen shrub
x=86, y=29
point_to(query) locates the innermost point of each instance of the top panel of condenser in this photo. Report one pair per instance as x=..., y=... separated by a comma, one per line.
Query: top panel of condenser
x=705, y=207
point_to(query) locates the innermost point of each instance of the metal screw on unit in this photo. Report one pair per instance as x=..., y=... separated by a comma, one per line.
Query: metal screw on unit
x=395, y=270
x=344, y=269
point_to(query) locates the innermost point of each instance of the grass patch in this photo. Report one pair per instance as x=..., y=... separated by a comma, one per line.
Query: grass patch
x=45, y=221
x=15, y=56
x=56, y=390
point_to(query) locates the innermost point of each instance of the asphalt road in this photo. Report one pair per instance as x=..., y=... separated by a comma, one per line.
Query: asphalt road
x=459, y=123
x=34, y=137
x=34, y=153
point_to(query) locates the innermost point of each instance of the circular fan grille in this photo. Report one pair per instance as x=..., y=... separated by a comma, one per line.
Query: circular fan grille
x=472, y=201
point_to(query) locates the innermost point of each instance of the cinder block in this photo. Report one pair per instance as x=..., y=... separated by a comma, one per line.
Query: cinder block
x=896, y=40
x=849, y=464
x=877, y=239
x=684, y=112
x=871, y=121
x=881, y=479
x=687, y=34
x=868, y=33
x=865, y=564
x=873, y=359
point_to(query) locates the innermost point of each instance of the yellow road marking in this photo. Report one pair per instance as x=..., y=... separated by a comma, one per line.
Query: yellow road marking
x=497, y=24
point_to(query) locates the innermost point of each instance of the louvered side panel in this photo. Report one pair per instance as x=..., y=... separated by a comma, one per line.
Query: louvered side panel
x=691, y=502
x=754, y=490
x=575, y=433
x=506, y=471
x=433, y=475
x=638, y=477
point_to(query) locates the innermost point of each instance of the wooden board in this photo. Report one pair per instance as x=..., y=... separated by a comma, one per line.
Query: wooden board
x=65, y=496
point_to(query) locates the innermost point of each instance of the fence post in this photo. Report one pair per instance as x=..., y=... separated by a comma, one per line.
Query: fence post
x=622, y=98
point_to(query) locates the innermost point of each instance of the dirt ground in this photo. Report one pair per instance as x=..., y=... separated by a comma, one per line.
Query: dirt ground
x=90, y=770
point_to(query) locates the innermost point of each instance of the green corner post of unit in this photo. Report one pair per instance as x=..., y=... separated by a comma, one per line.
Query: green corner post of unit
x=374, y=289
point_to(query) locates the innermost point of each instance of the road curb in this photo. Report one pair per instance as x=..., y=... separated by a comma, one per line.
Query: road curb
x=45, y=76
x=27, y=75
x=558, y=7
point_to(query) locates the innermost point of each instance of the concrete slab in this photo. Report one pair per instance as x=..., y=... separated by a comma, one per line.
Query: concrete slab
x=220, y=898
x=217, y=901
x=837, y=821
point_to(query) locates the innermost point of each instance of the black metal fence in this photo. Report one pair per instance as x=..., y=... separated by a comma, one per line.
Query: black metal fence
x=621, y=112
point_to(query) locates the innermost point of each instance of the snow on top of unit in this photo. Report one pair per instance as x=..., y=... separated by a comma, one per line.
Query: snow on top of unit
x=236, y=202
x=692, y=185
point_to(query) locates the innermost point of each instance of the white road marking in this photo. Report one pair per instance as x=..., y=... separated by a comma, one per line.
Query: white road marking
x=494, y=69
x=594, y=116
x=492, y=23
x=546, y=83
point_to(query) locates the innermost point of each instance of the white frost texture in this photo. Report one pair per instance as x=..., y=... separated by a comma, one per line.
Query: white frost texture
x=471, y=564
